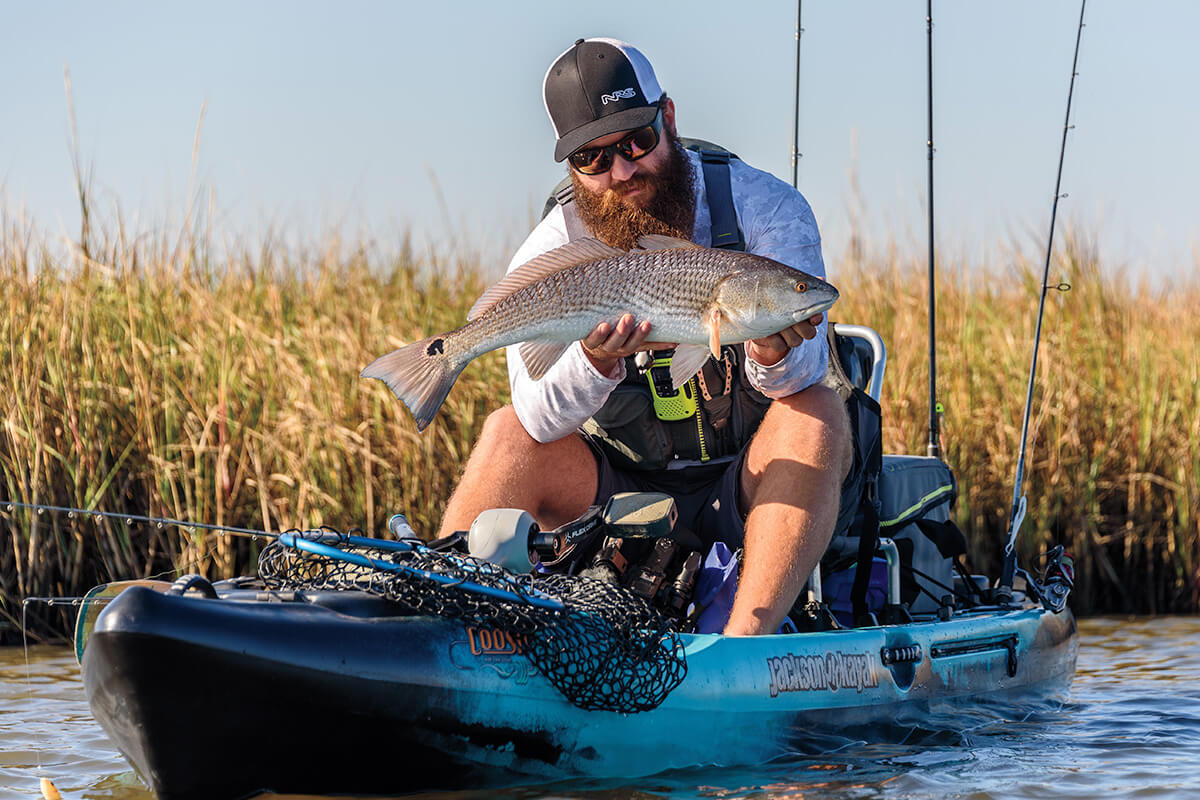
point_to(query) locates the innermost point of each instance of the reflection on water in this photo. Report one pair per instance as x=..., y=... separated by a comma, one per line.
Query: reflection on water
x=1132, y=725
x=46, y=730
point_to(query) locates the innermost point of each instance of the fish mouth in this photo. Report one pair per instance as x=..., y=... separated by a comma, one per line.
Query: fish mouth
x=804, y=314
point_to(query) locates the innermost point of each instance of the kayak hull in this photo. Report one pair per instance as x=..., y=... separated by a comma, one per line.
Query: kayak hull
x=329, y=692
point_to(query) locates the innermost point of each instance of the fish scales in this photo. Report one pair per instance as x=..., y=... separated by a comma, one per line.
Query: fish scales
x=671, y=293
x=695, y=296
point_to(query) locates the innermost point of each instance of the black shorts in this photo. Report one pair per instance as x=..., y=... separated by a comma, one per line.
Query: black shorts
x=706, y=495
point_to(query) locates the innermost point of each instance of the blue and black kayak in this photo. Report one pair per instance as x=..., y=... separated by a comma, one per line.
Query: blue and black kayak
x=238, y=689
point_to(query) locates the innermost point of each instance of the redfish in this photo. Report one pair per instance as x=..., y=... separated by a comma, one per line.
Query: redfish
x=696, y=296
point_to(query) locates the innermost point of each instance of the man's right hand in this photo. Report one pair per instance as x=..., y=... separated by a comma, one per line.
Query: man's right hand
x=607, y=344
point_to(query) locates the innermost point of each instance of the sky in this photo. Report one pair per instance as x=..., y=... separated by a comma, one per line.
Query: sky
x=373, y=120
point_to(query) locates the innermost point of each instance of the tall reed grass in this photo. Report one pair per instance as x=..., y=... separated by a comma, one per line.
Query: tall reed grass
x=1114, y=443
x=145, y=376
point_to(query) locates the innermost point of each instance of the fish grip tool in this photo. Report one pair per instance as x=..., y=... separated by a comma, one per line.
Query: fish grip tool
x=601, y=646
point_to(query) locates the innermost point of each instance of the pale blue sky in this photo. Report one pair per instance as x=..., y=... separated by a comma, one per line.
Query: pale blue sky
x=355, y=116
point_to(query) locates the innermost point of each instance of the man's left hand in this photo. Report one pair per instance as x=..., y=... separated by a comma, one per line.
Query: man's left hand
x=770, y=350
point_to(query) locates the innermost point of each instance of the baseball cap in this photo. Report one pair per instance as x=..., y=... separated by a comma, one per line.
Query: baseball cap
x=598, y=87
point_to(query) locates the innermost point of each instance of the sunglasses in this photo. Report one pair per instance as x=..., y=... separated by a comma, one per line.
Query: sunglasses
x=638, y=144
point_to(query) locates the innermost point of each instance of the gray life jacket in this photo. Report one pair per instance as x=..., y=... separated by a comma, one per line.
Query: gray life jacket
x=715, y=413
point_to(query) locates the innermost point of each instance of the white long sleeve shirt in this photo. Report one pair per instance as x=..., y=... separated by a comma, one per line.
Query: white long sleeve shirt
x=776, y=222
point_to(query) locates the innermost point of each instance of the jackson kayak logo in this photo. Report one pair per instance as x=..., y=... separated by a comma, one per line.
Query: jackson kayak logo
x=827, y=673
x=485, y=648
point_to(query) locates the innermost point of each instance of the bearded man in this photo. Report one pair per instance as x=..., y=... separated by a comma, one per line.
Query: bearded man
x=759, y=461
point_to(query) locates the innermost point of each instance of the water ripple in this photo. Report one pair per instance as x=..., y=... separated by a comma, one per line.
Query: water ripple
x=1130, y=727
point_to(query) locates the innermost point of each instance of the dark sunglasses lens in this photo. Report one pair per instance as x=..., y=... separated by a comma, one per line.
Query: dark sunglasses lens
x=640, y=143
x=592, y=160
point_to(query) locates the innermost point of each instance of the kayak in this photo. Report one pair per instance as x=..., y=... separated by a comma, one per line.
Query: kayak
x=242, y=689
x=354, y=665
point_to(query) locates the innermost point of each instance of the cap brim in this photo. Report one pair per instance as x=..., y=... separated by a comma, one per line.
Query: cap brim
x=628, y=120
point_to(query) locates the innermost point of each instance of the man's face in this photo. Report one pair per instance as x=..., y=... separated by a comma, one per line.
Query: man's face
x=632, y=181
x=651, y=195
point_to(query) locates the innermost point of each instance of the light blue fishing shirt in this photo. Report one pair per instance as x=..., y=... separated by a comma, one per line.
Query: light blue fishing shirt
x=776, y=222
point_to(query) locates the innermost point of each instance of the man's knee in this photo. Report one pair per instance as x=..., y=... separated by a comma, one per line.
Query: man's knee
x=828, y=409
x=555, y=481
x=503, y=426
x=504, y=439
x=812, y=422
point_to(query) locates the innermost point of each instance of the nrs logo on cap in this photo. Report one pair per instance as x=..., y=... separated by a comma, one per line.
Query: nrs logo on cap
x=623, y=94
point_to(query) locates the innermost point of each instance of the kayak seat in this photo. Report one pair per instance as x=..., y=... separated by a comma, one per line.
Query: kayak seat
x=861, y=355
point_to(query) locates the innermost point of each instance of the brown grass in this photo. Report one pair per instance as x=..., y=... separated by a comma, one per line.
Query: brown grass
x=145, y=376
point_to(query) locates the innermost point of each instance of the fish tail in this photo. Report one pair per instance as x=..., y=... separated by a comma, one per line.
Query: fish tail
x=421, y=374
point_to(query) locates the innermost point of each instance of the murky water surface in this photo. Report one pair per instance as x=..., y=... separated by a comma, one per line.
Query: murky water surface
x=1131, y=728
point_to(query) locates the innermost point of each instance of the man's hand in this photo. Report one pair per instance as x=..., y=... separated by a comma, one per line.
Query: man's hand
x=607, y=344
x=770, y=350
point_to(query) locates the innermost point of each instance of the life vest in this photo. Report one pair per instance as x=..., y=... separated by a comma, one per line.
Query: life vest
x=645, y=425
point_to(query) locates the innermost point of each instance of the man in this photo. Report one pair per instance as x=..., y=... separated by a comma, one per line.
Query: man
x=774, y=491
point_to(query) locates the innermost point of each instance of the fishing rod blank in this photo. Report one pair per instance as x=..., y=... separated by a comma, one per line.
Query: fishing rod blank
x=932, y=448
x=796, y=106
x=1017, y=514
x=129, y=519
x=320, y=541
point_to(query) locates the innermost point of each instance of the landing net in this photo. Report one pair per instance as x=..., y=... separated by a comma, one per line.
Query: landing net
x=605, y=649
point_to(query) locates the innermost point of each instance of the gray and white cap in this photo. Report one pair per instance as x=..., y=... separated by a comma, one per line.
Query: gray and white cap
x=598, y=87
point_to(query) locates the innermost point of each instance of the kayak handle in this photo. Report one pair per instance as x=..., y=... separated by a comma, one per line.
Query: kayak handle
x=187, y=583
x=972, y=646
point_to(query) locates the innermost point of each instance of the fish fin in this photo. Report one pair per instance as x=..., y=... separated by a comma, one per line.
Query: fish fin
x=714, y=331
x=420, y=374
x=686, y=361
x=656, y=241
x=580, y=251
x=540, y=356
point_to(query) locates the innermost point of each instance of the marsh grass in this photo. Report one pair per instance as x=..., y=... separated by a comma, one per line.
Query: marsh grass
x=144, y=376
x=144, y=379
x=1114, y=443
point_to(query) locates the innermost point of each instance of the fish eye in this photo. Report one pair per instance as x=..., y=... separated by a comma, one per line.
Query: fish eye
x=801, y=286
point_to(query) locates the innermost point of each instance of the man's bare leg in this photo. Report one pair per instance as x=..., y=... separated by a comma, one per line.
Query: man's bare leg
x=791, y=484
x=556, y=482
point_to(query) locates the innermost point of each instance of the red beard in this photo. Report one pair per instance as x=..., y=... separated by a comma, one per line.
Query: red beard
x=671, y=210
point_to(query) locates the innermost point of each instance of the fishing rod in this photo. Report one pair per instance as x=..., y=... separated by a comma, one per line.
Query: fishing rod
x=1017, y=514
x=320, y=542
x=796, y=105
x=129, y=519
x=933, y=447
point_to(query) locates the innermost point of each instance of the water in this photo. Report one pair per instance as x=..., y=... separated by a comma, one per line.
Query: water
x=1131, y=727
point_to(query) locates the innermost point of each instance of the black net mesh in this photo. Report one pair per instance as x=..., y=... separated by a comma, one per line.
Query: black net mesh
x=605, y=650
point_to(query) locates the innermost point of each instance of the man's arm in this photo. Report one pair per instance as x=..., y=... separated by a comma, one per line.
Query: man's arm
x=778, y=223
x=769, y=351
x=579, y=383
x=797, y=460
